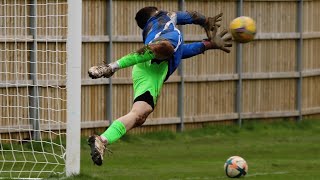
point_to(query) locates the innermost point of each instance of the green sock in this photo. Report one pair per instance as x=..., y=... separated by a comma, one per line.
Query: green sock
x=114, y=132
x=137, y=57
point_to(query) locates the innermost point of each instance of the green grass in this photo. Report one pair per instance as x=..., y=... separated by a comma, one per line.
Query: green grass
x=278, y=150
x=273, y=150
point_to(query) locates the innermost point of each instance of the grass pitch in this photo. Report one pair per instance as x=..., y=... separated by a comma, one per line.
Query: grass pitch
x=277, y=150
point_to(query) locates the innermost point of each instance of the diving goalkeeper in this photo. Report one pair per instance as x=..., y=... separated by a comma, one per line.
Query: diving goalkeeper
x=153, y=63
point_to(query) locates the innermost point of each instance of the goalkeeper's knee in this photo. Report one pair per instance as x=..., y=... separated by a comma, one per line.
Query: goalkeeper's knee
x=162, y=50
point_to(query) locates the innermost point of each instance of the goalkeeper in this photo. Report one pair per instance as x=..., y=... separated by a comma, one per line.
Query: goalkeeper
x=153, y=64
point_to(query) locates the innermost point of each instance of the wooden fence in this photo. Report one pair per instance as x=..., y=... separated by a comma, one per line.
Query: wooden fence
x=275, y=76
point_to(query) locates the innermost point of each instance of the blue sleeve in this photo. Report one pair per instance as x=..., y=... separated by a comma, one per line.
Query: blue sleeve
x=185, y=17
x=192, y=49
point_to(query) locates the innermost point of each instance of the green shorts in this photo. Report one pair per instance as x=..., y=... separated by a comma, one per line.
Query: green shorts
x=150, y=77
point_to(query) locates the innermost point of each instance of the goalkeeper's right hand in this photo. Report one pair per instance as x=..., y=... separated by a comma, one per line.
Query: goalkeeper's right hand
x=221, y=41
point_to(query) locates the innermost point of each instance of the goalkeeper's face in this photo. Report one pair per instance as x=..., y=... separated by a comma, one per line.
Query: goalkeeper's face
x=144, y=14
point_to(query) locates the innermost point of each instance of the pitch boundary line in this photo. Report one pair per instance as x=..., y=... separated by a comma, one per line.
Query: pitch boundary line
x=223, y=177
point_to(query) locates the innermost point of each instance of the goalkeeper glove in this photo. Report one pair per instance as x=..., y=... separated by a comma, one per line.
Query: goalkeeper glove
x=221, y=41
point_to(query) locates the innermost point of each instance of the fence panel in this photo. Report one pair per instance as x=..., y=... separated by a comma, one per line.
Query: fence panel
x=269, y=64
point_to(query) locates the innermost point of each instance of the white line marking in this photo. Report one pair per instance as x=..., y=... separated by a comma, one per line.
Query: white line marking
x=263, y=174
x=223, y=177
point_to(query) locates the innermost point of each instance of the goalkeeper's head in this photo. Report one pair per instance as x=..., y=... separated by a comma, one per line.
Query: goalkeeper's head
x=144, y=14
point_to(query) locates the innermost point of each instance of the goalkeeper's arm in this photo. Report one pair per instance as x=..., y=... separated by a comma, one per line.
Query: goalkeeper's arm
x=186, y=17
x=192, y=49
x=220, y=41
x=194, y=17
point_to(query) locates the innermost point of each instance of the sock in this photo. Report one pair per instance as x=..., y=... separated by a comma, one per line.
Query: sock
x=115, y=66
x=137, y=57
x=114, y=132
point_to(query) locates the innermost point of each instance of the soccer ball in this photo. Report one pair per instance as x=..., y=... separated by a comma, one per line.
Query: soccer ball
x=235, y=167
x=243, y=29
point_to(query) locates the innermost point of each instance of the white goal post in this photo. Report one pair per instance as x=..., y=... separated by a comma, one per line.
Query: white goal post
x=40, y=88
x=74, y=87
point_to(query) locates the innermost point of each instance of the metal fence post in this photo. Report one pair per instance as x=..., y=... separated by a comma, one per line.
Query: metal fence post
x=239, y=70
x=299, y=58
x=109, y=60
x=34, y=94
x=180, y=128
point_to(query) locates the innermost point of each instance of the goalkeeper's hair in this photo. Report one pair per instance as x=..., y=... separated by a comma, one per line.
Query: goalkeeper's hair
x=144, y=14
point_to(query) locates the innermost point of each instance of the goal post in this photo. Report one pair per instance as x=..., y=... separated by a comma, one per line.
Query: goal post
x=40, y=88
x=74, y=87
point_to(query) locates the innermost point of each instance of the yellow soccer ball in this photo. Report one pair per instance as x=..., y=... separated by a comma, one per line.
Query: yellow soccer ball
x=243, y=29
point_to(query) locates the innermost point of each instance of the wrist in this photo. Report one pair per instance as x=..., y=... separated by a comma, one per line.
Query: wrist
x=207, y=44
x=205, y=22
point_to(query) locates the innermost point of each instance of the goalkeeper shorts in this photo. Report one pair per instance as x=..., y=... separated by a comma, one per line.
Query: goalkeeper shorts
x=148, y=78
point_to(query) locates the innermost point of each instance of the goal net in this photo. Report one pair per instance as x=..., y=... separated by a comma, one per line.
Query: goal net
x=33, y=90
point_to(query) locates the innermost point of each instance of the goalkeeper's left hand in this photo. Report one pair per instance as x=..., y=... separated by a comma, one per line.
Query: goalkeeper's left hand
x=221, y=41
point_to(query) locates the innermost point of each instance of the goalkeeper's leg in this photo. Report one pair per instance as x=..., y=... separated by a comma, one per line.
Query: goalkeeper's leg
x=160, y=49
x=148, y=80
x=136, y=117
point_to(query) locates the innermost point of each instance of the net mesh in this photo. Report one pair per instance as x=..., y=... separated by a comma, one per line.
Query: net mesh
x=32, y=88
